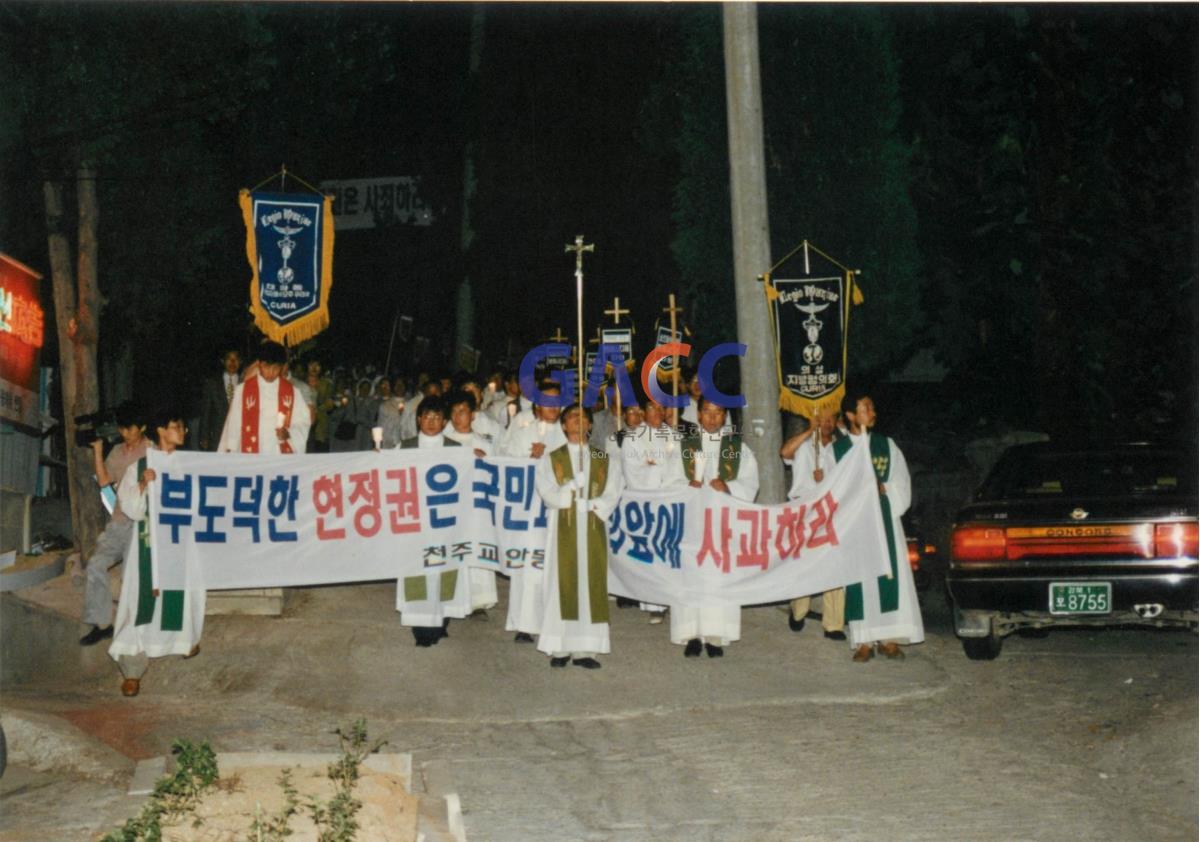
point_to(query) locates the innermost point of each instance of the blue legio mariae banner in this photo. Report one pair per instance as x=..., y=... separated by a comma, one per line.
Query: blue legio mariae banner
x=289, y=244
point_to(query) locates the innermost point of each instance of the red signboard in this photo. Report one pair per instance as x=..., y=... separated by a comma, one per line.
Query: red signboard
x=22, y=332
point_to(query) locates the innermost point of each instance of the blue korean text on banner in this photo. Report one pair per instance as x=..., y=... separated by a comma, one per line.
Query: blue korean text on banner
x=289, y=244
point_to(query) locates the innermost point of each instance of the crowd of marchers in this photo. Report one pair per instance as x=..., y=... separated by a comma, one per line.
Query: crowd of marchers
x=585, y=459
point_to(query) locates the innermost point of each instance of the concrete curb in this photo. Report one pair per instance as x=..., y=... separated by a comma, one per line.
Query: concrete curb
x=48, y=743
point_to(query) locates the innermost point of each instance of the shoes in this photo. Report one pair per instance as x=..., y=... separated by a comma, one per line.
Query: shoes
x=863, y=654
x=714, y=651
x=656, y=617
x=427, y=636
x=891, y=651
x=794, y=624
x=478, y=614
x=693, y=648
x=193, y=652
x=560, y=662
x=587, y=663
x=523, y=637
x=130, y=687
x=96, y=635
x=835, y=635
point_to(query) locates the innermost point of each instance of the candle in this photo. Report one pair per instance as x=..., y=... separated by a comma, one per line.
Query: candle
x=699, y=477
x=377, y=436
x=282, y=418
x=541, y=430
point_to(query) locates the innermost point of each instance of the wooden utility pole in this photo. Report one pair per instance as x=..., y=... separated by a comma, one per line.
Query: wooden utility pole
x=76, y=312
x=751, y=245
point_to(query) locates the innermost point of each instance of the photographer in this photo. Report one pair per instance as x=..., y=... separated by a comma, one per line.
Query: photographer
x=114, y=540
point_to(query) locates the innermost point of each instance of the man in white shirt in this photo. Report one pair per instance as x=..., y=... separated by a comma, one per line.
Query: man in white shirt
x=810, y=455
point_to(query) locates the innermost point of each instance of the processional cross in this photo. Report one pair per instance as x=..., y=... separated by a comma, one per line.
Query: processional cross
x=579, y=248
x=671, y=310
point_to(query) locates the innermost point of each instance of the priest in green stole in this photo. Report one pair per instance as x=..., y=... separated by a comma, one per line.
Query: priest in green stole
x=883, y=612
x=717, y=458
x=580, y=484
x=426, y=602
x=150, y=622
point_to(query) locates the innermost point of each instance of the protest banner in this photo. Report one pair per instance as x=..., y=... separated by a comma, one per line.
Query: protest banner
x=248, y=521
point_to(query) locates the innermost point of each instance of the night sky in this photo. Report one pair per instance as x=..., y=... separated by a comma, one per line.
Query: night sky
x=928, y=145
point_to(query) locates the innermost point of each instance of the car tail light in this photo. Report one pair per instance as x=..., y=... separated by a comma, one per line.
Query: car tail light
x=1092, y=540
x=1175, y=540
x=974, y=543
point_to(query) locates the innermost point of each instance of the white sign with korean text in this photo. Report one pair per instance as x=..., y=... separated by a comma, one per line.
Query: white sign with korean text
x=701, y=547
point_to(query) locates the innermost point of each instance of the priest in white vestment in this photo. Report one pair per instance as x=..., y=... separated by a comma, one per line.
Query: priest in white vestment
x=531, y=435
x=883, y=611
x=718, y=459
x=650, y=461
x=428, y=602
x=582, y=485
x=810, y=455
x=462, y=430
x=150, y=622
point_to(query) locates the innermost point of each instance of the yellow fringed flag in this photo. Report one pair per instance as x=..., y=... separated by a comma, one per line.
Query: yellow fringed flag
x=810, y=319
x=289, y=244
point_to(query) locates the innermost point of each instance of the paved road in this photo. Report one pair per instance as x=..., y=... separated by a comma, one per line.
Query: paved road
x=1089, y=735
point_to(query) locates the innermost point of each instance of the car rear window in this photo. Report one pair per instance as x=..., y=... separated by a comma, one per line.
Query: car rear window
x=1032, y=475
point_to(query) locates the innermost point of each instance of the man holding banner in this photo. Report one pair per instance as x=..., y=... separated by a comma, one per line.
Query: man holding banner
x=152, y=621
x=426, y=603
x=266, y=415
x=810, y=455
x=583, y=485
x=720, y=460
x=883, y=610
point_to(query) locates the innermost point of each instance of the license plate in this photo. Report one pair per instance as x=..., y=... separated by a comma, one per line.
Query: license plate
x=1080, y=597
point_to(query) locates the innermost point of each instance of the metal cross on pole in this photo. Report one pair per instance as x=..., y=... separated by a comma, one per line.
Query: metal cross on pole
x=558, y=335
x=579, y=248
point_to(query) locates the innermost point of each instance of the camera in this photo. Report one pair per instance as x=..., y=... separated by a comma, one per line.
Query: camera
x=106, y=424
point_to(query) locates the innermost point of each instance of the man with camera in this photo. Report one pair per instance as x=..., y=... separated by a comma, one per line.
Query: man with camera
x=114, y=540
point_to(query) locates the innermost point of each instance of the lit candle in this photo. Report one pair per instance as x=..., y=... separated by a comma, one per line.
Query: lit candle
x=377, y=436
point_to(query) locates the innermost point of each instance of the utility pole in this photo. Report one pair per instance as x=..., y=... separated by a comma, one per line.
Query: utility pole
x=751, y=245
x=464, y=323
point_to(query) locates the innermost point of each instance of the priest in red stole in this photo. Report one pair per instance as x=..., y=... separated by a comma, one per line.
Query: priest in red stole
x=266, y=414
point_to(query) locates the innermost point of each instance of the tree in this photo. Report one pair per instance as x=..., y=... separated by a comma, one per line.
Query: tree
x=837, y=168
x=1056, y=172
x=68, y=102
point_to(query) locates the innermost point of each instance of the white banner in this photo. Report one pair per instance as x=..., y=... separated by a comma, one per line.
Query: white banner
x=254, y=521
x=701, y=547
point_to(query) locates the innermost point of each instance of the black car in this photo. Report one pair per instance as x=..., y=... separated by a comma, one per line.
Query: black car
x=1065, y=534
